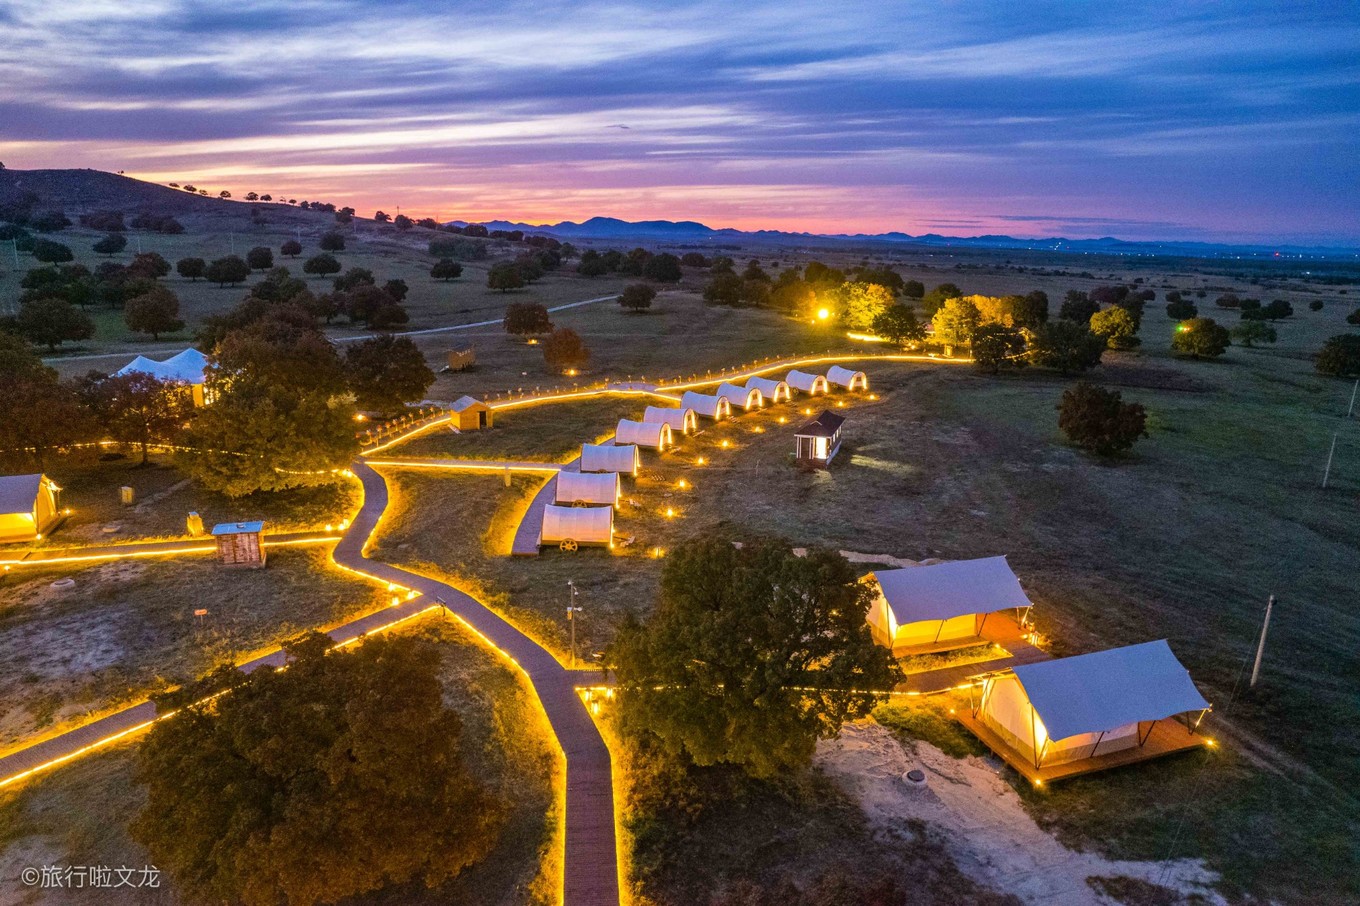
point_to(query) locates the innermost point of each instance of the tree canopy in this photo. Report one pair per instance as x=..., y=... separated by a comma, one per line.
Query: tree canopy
x=1340, y=356
x=1099, y=421
x=138, y=408
x=385, y=372
x=242, y=807
x=637, y=297
x=564, y=349
x=955, y=321
x=526, y=319
x=231, y=269
x=155, y=311
x=898, y=323
x=751, y=655
x=1066, y=346
x=1116, y=325
x=504, y=276
x=261, y=258
x=861, y=303
x=446, y=269
x=50, y=321
x=1200, y=338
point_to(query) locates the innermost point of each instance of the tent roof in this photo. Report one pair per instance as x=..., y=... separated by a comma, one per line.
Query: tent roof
x=187, y=366
x=824, y=425
x=591, y=487
x=765, y=385
x=589, y=524
x=609, y=458
x=1091, y=693
x=238, y=528
x=943, y=591
x=464, y=403
x=837, y=374
x=19, y=493
x=673, y=417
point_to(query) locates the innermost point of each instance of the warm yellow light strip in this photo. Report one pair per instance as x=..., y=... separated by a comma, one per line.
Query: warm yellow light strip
x=467, y=466
x=402, y=438
x=159, y=552
x=818, y=360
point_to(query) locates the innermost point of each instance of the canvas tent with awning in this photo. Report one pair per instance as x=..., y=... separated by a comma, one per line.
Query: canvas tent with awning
x=188, y=367
x=28, y=507
x=1089, y=706
x=942, y=605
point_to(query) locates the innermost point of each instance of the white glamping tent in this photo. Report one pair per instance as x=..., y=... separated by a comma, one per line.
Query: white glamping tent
x=683, y=420
x=1076, y=708
x=747, y=398
x=28, y=507
x=569, y=527
x=714, y=407
x=773, y=390
x=654, y=435
x=844, y=377
x=811, y=384
x=622, y=458
x=587, y=488
x=943, y=605
x=187, y=367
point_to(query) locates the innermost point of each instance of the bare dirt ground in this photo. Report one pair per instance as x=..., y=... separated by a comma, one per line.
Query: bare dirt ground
x=983, y=822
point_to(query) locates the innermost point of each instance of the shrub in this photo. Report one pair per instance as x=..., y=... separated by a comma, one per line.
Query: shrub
x=446, y=269
x=1097, y=419
x=1340, y=356
x=637, y=297
x=332, y=242
x=322, y=265
x=564, y=349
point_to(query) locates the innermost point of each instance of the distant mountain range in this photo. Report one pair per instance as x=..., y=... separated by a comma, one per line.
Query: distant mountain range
x=692, y=231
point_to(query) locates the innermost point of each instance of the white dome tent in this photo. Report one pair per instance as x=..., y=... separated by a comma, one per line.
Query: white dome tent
x=683, y=419
x=775, y=391
x=811, y=384
x=587, y=489
x=844, y=377
x=620, y=458
x=570, y=527
x=714, y=407
x=653, y=435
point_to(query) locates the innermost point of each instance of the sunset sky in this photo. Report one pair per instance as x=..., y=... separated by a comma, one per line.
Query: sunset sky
x=1215, y=121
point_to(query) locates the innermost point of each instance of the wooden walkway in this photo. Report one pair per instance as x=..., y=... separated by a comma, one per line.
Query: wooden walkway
x=465, y=465
x=39, y=556
x=1003, y=631
x=531, y=526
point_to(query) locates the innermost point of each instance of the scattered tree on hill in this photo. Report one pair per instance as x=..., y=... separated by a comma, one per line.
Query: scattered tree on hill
x=914, y=289
x=332, y=242
x=154, y=312
x=751, y=655
x=51, y=321
x=402, y=222
x=386, y=372
x=564, y=350
x=637, y=297
x=1097, y=420
x=1078, y=307
x=955, y=322
x=725, y=288
x=375, y=307
x=995, y=346
x=50, y=222
x=148, y=265
x=260, y=258
x=1277, y=310
x=193, y=268
x=526, y=319
x=446, y=269
x=898, y=323
x=504, y=276
x=396, y=288
x=291, y=249
x=110, y=245
x=49, y=252
x=1200, y=338
x=322, y=265
x=242, y=808
x=934, y=300
x=1065, y=346
x=354, y=278
x=695, y=259
x=1179, y=309
x=1340, y=356
x=229, y=270
x=1251, y=331
x=381, y=217
x=224, y=194
x=1116, y=326
x=39, y=414
x=663, y=268
x=1228, y=300
x=138, y=409
x=861, y=303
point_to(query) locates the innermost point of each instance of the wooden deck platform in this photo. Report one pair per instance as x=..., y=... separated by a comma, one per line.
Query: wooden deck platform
x=1001, y=630
x=1167, y=738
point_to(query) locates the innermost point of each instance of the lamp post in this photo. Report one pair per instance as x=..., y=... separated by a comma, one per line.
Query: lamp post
x=572, y=611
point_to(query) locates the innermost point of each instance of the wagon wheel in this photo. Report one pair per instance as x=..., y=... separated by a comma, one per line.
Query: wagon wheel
x=581, y=503
x=569, y=545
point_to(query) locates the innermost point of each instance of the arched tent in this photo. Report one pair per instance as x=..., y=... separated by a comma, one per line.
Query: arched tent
x=592, y=488
x=773, y=390
x=655, y=435
x=683, y=419
x=188, y=367
x=621, y=458
x=811, y=384
x=570, y=527
x=747, y=398
x=1090, y=711
x=28, y=507
x=714, y=407
x=943, y=605
x=844, y=377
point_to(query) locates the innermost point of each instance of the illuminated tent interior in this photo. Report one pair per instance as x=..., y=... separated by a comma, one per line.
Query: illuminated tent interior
x=655, y=435
x=594, y=488
x=1075, y=708
x=683, y=419
x=622, y=458
x=812, y=384
x=572, y=526
x=942, y=605
x=714, y=407
x=747, y=398
x=28, y=507
x=844, y=377
x=187, y=367
x=773, y=390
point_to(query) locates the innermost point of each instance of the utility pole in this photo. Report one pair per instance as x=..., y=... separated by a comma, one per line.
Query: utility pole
x=572, y=611
x=1327, y=472
x=1349, y=411
x=1261, y=645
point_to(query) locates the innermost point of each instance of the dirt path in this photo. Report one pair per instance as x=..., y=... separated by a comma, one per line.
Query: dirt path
x=986, y=828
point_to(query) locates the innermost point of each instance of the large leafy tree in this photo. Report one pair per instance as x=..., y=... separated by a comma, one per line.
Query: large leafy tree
x=861, y=302
x=231, y=269
x=339, y=776
x=504, y=276
x=995, y=345
x=751, y=656
x=1340, y=356
x=564, y=349
x=637, y=297
x=955, y=322
x=1078, y=307
x=1117, y=326
x=526, y=319
x=1066, y=346
x=138, y=408
x=50, y=321
x=1201, y=338
x=1098, y=420
x=193, y=268
x=386, y=372
x=446, y=269
x=898, y=323
x=155, y=312
x=39, y=414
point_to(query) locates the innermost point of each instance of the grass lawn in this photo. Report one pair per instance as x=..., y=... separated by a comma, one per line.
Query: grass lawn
x=78, y=813
x=127, y=629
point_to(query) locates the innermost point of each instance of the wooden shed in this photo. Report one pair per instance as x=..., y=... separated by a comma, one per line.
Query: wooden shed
x=462, y=359
x=240, y=543
x=817, y=442
x=469, y=414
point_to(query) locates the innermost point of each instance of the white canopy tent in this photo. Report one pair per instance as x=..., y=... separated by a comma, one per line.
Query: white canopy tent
x=28, y=507
x=844, y=377
x=714, y=407
x=592, y=488
x=187, y=367
x=773, y=390
x=655, y=435
x=622, y=458
x=943, y=603
x=811, y=384
x=569, y=527
x=1074, y=708
x=683, y=420
x=747, y=398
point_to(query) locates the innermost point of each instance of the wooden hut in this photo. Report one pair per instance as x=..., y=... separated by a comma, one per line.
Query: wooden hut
x=462, y=359
x=817, y=442
x=240, y=543
x=469, y=414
